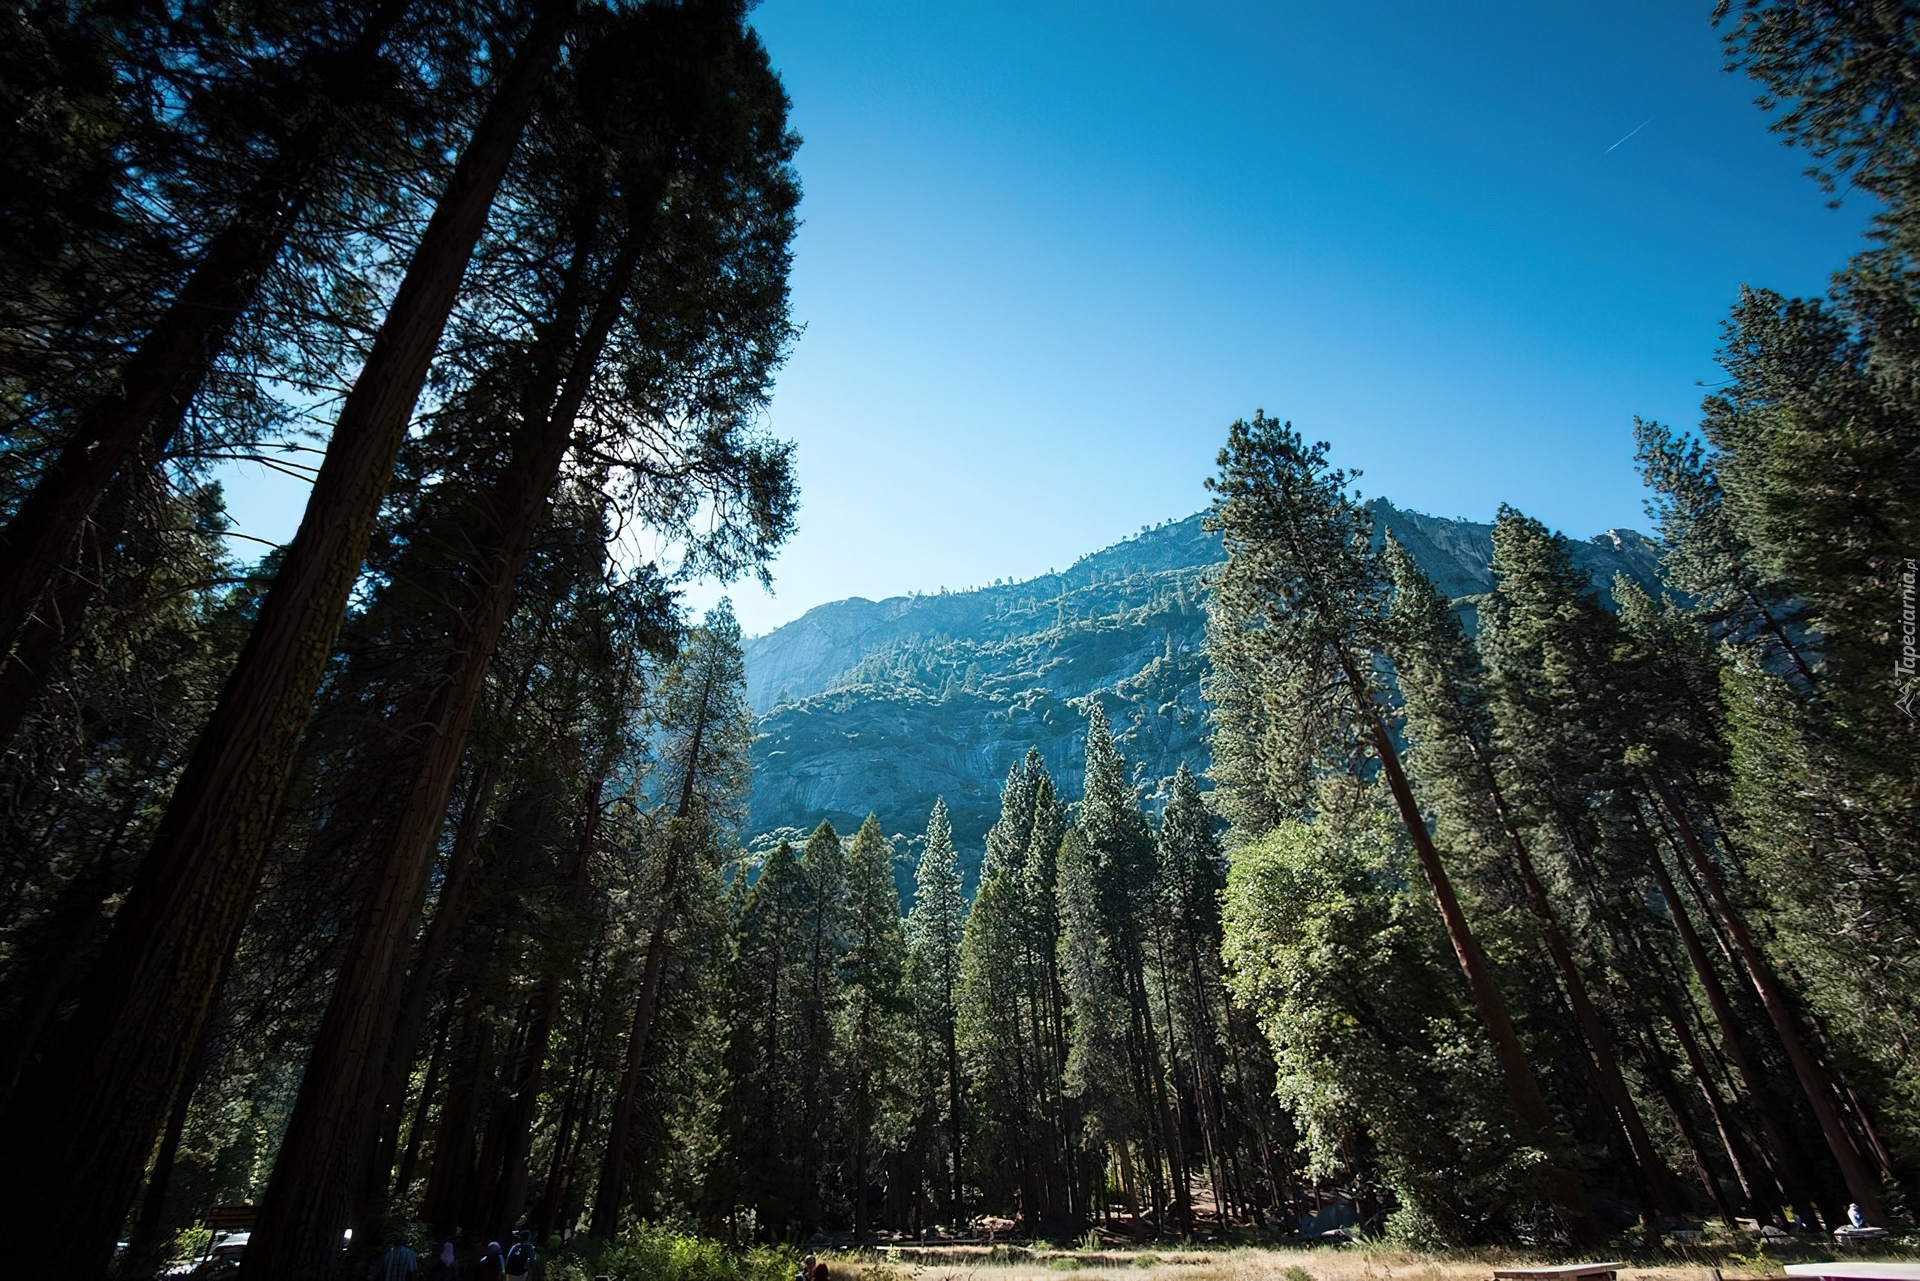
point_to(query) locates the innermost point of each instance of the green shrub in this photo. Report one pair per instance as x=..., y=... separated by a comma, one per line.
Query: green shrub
x=191, y=1243
x=1065, y=1263
x=650, y=1254
x=1297, y=1273
x=1146, y=1260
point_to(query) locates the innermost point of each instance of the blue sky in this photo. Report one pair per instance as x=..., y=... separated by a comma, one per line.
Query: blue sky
x=1052, y=249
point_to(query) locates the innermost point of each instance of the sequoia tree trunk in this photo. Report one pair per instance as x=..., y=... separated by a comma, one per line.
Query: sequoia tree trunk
x=149, y=398
x=1861, y=1184
x=77, y=1154
x=1522, y=1087
x=1732, y=1040
x=332, y=1116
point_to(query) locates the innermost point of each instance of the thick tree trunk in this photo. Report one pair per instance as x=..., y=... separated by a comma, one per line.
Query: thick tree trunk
x=1612, y=1082
x=450, y=913
x=1861, y=1184
x=81, y=1152
x=1528, y=1102
x=1732, y=1041
x=47, y=638
x=149, y=398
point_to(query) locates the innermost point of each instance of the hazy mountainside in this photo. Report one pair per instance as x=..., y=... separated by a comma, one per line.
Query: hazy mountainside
x=882, y=706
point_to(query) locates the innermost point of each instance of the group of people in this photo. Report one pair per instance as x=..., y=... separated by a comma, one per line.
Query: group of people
x=400, y=1263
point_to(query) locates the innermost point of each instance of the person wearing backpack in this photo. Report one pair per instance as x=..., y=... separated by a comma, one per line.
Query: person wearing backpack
x=520, y=1258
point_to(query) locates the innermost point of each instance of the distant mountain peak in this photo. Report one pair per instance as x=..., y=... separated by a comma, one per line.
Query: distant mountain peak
x=879, y=706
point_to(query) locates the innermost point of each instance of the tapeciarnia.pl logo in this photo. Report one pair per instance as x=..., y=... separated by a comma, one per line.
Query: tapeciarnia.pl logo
x=1905, y=677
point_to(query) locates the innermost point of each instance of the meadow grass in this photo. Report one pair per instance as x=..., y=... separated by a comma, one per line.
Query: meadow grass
x=1361, y=1261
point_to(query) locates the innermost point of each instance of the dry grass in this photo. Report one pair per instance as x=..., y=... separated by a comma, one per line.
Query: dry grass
x=1257, y=1263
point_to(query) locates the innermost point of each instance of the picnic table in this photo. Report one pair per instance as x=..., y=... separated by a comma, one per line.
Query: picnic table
x=1566, y=1272
x=1855, y=1271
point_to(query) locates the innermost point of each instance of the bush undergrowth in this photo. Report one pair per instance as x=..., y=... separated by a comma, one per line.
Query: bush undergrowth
x=652, y=1254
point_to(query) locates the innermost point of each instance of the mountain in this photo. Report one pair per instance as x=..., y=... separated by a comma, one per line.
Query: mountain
x=883, y=705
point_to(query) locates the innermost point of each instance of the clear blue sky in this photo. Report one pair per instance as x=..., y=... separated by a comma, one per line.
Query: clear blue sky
x=1051, y=250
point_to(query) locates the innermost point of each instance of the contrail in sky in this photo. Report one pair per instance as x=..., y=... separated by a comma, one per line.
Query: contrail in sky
x=1636, y=129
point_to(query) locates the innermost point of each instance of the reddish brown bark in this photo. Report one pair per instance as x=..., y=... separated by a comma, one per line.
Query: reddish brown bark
x=1861, y=1184
x=1732, y=1040
x=1613, y=1083
x=87, y=1138
x=149, y=398
x=333, y=1114
x=1529, y=1104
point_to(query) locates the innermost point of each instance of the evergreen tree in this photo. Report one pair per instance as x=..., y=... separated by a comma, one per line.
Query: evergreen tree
x=1097, y=1075
x=1842, y=75
x=766, y=1145
x=873, y=1018
x=1192, y=874
x=1346, y=971
x=1120, y=849
x=995, y=1054
x=1450, y=729
x=220, y=163
x=934, y=930
x=819, y=994
x=1705, y=556
x=1011, y=1037
x=1307, y=600
x=703, y=709
x=141, y=1022
x=1580, y=724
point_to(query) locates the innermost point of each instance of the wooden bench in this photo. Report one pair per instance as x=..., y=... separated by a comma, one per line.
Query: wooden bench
x=1571, y=1272
x=232, y=1218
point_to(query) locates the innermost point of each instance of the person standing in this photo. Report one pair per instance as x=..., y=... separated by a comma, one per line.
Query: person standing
x=520, y=1257
x=399, y=1263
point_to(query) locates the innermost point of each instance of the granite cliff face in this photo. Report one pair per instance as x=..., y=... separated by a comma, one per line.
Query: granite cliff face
x=882, y=706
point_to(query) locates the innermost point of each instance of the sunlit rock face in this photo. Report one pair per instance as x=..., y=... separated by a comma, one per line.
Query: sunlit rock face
x=881, y=706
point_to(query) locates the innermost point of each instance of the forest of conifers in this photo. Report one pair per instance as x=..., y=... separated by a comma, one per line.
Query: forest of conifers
x=393, y=880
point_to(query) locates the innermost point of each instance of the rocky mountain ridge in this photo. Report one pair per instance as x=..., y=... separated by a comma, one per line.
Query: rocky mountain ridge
x=883, y=705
